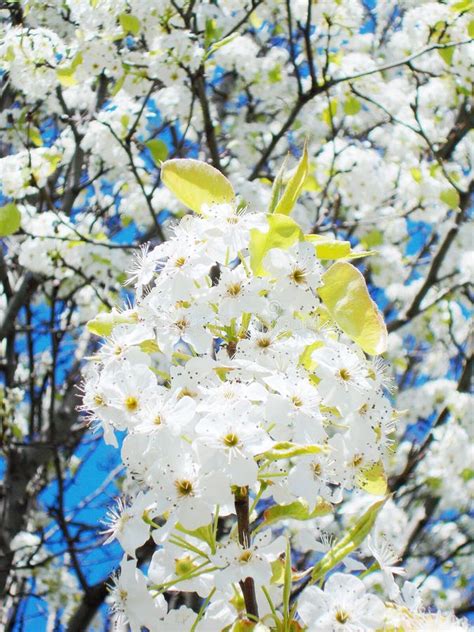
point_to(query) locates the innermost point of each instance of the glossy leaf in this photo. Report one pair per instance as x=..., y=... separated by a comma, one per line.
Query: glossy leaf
x=349, y=542
x=347, y=299
x=196, y=183
x=282, y=232
x=10, y=219
x=294, y=186
x=297, y=510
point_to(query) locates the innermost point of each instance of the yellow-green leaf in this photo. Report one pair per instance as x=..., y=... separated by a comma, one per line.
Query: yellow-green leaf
x=294, y=186
x=34, y=136
x=297, y=510
x=446, y=54
x=349, y=542
x=66, y=76
x=335, y=248
x=287, y=450
x=129, y=23
x=351, y=106
x=158, y=150
x=282, y=232
x=149, y=346
x=416, y=174
x=103, y=324
x=10, y=219
x=347, y=299
x=450, y=197
x=330, y=112
x=276, y=188
x=226, y=40
x=196, y=183
x=373, y=479
x=306, y=358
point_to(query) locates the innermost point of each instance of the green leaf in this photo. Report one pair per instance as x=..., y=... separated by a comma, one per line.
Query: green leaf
x=350, y=541
x=347, y=299
x=352, y=106
x=450, y=197
x=129, y=23
x=297, y=510
x=282, y=232
x=158, y=150
x=103, y=324
x=306, y=358
x=66, y=76
x=335, y=248
x=276, y=188
x=373, y=479
x=470, y=28
x=416, y=174
x=294, y=186
x=373, y=238
x=463, y=5
x=149, y=346
x=446, y=54
x=10, y=219
x=196, y=183
x=330, y=112
x=34, y=136
x=287, y=450
x=329, y=248
x=220, y=44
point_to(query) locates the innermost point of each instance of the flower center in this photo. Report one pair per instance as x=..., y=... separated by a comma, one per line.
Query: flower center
x=158, y=420
x=357, y=460
x=297, y=401
x=131, y=404
x=298, y=275
x=184, y=565
x=182, y=324
x=179, y=262
x=264, y=342
x=234, y=289
x=230, y=440
x=99, y=399
x=186, y=392
x=342, y=616
x=316, y=467
x=363, y=410
x=344, y=374
x=184, y=488
x=245, y=557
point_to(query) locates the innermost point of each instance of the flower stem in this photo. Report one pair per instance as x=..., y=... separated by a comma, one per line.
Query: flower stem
x=247, y=585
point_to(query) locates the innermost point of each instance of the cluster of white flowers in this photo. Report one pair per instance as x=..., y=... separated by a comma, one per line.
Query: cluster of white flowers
x=230, y=381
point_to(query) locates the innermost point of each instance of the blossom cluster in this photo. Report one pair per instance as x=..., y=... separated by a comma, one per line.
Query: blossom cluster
x=229, y=381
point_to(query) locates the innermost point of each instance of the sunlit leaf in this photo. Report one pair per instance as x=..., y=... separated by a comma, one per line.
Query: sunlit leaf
x=351, y=106
x=373, y=479
x=196, y=183
x=129, y=23
x=294, y=186
x=282, y=233
x=297, y=510
x=349, y=542
x=103, y=324
x=450, y=197
x=287, y=450
x=158, y=150
x=10, y=219
x=347, y=299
